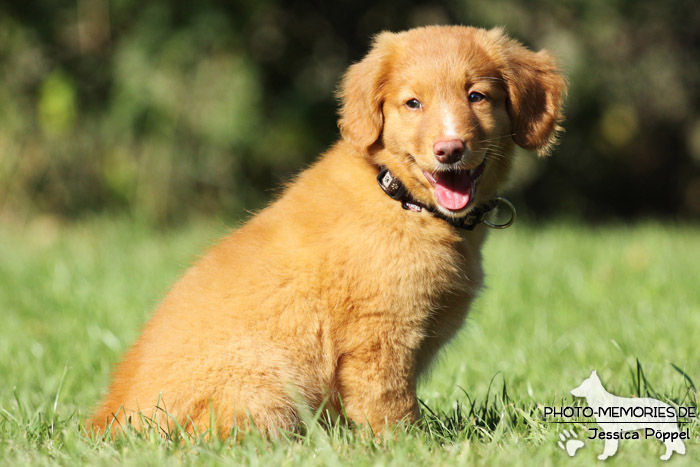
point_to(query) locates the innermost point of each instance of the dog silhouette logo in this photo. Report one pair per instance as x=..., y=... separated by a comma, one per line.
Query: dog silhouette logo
x=625, y=417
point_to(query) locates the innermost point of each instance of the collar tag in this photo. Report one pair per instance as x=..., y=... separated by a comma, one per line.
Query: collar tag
x=410, y=206
x=386, y=180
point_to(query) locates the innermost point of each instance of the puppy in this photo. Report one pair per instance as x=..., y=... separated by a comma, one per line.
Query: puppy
x=334, y=296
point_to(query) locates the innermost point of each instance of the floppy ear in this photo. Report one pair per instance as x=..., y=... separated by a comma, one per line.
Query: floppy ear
x=362, y=94
x=536, y=89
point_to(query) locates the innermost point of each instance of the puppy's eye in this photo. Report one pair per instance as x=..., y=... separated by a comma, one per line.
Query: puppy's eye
x=476, y=97
x=413, y=104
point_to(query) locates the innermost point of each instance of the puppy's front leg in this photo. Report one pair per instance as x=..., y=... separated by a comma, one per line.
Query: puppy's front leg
x=377, y=385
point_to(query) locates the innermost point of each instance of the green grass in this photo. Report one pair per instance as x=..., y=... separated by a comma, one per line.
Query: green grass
x=562, y=299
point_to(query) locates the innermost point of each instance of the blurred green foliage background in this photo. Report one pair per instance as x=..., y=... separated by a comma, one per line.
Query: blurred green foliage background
x=167, y=109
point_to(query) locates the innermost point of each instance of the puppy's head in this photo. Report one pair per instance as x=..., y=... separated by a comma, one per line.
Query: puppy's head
x=441, y=107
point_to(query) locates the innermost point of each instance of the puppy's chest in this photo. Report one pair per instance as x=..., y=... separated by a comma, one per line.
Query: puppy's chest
x=436, y=268
x=426, y=273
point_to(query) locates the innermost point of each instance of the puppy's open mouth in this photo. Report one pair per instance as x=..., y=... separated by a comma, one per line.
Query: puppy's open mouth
x=454, y=190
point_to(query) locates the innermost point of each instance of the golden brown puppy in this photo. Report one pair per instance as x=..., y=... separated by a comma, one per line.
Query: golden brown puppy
x=334, y=292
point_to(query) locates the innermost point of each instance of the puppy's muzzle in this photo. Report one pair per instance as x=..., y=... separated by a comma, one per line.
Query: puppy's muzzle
x=449, y=151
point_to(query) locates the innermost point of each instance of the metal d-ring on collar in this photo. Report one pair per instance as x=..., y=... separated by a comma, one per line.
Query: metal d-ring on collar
x=509, y=222
x=393, y=187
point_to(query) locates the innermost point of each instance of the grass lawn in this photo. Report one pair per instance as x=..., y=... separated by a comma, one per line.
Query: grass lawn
x=562, y=300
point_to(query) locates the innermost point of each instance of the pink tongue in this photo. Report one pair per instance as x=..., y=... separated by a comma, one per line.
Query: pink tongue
x=453, y=190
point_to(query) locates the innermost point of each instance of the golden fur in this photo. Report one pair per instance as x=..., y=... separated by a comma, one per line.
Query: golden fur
x=334, y=292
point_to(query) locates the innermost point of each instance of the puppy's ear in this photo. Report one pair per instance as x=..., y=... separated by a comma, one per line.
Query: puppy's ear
x=536, y=89
x=361, y=95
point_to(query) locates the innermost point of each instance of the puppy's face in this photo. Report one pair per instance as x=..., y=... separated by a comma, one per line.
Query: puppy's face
x=446, y=122
x=442, y=106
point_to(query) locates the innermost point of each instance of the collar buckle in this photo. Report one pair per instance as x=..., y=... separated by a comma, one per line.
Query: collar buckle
x=391, y=185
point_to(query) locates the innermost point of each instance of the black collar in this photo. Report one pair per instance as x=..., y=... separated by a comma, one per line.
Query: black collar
x=393, y=187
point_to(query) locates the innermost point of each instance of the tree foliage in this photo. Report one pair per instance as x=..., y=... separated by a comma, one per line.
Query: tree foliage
x=164, y=109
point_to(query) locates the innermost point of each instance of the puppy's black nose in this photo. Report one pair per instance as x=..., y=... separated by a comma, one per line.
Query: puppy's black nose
x=449, y=151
